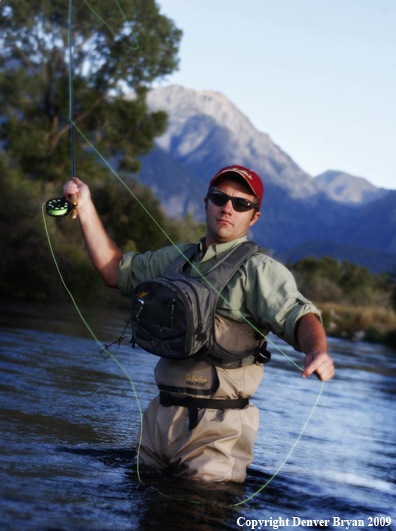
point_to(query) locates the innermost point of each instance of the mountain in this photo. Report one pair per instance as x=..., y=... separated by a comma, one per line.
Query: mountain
x=284, y=221
x=348, y=189
x=207, y=132
x=178, y=188
x=376, y=260
x=372, y=225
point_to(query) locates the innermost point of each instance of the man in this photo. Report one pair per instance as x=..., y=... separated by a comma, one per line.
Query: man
x=180, y=434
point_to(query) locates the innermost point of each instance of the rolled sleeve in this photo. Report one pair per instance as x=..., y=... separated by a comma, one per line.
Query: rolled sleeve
x=275, y=301
x=124, y=275
x=286, y=317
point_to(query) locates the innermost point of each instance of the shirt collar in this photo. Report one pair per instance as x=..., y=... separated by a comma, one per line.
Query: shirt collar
x=216, y=249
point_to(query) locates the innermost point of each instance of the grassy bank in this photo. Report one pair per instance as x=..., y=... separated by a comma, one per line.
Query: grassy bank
x=355, y=304
x=359, y=323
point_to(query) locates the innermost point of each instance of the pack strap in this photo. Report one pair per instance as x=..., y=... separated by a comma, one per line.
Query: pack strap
x=262, y=355
x=193, y=404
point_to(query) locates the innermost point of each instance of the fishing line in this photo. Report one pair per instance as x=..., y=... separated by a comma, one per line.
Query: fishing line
x=181, y=252
x=126, y=373
x=100, y=344
x=104, y=348
x=111, y=29
x=287, y=457
x=71, y=98
x=74, y=126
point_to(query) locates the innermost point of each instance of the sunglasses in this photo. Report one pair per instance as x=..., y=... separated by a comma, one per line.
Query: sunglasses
x=239, y=204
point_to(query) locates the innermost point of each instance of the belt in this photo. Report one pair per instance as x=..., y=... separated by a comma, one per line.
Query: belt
x=193, y=404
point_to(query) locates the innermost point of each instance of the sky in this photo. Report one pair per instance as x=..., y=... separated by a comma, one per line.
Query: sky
x=319, y=76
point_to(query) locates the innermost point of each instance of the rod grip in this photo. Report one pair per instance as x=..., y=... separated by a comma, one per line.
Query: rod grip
x=73, y=201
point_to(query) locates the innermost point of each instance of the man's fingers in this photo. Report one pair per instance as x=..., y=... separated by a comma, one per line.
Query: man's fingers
x=72, y=187
x=321, y=364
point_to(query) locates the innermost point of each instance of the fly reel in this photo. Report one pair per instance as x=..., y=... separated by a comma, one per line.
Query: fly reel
x=60, y=207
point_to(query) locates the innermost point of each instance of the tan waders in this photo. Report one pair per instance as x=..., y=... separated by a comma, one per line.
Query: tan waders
x=204, y=443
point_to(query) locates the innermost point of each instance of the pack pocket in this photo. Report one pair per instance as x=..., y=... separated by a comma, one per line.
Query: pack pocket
x=161, y=322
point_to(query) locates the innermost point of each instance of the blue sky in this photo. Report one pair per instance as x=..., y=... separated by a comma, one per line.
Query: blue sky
x=319, y=76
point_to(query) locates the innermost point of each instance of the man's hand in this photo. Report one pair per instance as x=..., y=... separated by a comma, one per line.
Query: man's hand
x=313, y=342
x=77, y=188
x=103, y=252
x=319, y=363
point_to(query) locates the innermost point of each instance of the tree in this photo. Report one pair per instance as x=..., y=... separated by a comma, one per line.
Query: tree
x=128, y=224
x=392, y=285
x=355, y=278
x=110, y=81
x=319, y=279
x=34, y=82
x=326, y=279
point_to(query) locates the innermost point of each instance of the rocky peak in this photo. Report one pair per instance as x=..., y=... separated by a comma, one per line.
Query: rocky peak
x=206, y=126
x=349, y=189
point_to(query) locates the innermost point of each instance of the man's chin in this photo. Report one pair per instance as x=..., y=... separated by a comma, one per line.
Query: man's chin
x=225, y=235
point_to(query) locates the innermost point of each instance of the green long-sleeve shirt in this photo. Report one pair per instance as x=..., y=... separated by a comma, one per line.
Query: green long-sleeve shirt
x=262, y=290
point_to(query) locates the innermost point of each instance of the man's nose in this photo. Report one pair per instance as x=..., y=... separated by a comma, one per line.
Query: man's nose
x=228, y=206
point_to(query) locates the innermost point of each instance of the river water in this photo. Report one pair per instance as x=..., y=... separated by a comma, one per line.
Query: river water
x=69, y=423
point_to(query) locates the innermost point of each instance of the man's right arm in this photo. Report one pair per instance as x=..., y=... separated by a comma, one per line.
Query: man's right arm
x=103, y=252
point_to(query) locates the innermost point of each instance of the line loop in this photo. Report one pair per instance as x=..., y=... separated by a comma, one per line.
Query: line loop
x=104, y=348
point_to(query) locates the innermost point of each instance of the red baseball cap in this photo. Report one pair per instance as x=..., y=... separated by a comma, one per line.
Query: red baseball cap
x=252, y=179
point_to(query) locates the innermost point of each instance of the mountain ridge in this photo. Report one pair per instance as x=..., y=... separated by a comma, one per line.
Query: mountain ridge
x=199, y=117
x=206, y=132
x=349, y=189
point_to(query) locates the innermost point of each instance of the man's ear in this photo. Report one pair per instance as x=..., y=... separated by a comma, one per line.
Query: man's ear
x=255, y=218
x=206, y=203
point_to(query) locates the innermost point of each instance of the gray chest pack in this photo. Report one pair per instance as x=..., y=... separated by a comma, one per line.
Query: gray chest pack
x=173, y=316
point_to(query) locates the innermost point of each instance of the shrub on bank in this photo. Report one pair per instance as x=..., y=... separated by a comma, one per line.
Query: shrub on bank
x=374, y=324
x=373, y=335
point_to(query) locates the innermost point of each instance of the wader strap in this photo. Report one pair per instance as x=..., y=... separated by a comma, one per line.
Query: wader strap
x=193, y=404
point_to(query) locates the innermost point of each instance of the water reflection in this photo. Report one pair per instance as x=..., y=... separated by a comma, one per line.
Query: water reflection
x=69, y=423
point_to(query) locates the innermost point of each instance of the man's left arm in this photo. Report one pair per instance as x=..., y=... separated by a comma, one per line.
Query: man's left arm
x=313, y=342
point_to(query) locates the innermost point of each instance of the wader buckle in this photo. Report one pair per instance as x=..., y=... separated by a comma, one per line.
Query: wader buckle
x=165, y=399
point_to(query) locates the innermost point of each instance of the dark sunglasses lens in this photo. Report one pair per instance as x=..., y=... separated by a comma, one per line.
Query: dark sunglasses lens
x=242, y=205
x=239, y=204
x=218, y=199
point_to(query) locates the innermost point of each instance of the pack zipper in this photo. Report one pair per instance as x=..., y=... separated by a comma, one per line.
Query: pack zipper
x=200, y=335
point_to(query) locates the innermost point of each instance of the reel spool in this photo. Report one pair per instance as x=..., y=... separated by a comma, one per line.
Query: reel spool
x=59, y=207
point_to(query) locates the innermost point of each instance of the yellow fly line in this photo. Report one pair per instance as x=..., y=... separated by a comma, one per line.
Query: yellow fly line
x=104, y=347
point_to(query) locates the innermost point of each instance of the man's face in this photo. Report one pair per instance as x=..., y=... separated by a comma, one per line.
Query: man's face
x=225, y=224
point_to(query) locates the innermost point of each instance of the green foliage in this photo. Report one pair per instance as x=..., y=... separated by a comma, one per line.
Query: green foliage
x=26, y=268
x=35, y=131
x=327, y=279
x=373, y=335
x=186, y=229
x=390, y=339
x=354, y=303
x=325, y=267
x=124, y=219
x=392, y=287
x=326, y=318
x=393, y=299
x=34, y=83
x=355, y=278
x=131, y=227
